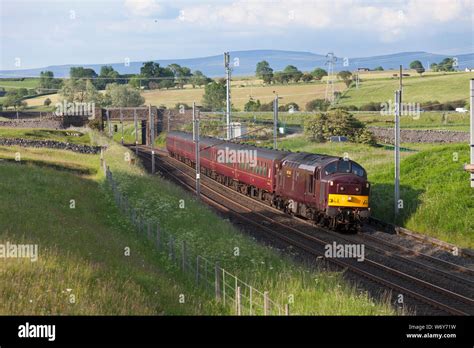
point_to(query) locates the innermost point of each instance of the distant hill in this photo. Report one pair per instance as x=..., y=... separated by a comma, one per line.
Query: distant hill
x=247, y=60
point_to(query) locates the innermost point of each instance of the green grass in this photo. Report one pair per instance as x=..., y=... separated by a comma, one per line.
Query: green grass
x=427, y=120
x=438, y=200
x=448, y=87
x=26, y=83
x=81, y=250
x=316, y=292
x=67, y=136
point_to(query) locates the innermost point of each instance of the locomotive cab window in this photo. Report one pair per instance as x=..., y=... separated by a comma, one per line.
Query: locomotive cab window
x=344, y=167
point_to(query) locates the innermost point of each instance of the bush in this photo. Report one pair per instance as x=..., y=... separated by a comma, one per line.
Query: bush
x=372, y=106
x=317, y=105
x=337, y=123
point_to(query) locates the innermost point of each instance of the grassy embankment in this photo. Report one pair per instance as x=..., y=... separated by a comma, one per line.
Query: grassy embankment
x=438, y=200
x=82, y=249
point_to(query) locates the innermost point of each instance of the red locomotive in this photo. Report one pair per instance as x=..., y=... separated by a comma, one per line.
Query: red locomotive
x=329, y=190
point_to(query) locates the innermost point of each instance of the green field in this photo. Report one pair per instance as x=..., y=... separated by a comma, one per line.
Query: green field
x=438, y=200
x=80, y=250
x=416, y=89
x=26, y=83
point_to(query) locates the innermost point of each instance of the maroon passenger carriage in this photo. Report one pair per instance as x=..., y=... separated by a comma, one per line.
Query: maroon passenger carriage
x=326, y=189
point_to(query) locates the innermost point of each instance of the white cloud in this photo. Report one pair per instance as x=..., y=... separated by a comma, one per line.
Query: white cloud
x=143, y=7
x=389, y=21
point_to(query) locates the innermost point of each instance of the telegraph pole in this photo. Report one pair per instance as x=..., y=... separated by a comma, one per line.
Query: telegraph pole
x=197, y=154
x=330, y=62
x=275, y=121
x=472, y=132
x=397, y=151
x=227, y=112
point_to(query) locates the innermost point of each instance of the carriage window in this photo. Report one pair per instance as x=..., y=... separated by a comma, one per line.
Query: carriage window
x=310, y=183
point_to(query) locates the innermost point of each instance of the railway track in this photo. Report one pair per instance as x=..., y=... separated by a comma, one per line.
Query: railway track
x=435, y=286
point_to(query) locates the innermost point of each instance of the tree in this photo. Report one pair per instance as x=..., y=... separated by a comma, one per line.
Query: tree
x=122, y=96
x=14, y=99
x=292, y=73
x=447, y=64
x=198, y=79
x=264, y=71
x=379, y=68
x=323, y=126
x=181, y=74
x=82, y=73
x=214, y=95
x=107, y=75
x=317, y=105
x=434, y=67
x=252, y=105
x=417, y=66
x=307, y=77
x=136, y=81
x=167, y=78
x=345, y=76
x=319, y=73
x=281, y=77
x=80, y=91
x=46, y=79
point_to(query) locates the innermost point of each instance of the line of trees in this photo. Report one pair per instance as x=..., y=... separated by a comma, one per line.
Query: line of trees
x=289, y=74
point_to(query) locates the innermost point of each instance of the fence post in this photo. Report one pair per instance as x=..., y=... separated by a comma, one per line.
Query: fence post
x=287, y=309
x=183, y=261
x=265, y=303
x=238, y=309
x=250, y=300
x=218, y=281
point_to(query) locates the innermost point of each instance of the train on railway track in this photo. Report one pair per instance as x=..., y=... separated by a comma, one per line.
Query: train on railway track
x=331, y=191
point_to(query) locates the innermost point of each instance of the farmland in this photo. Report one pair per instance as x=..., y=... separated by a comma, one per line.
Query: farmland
x=416, y=89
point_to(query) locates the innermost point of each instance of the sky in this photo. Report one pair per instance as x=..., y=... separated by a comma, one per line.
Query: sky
x=35, y=33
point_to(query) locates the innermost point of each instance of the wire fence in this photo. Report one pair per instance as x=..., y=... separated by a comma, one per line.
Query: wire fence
x=241, y=298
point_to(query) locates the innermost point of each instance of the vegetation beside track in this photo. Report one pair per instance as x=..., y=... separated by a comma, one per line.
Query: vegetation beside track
x=81, y=251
